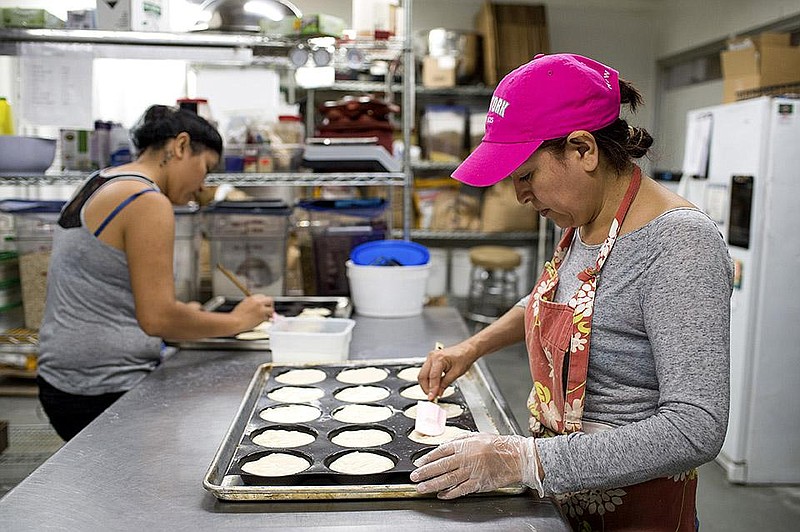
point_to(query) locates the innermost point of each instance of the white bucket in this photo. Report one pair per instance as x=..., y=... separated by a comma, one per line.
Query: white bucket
x=388, y=291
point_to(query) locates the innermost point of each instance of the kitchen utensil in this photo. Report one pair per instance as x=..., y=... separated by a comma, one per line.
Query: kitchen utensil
x=235, y=280
x=431, y=418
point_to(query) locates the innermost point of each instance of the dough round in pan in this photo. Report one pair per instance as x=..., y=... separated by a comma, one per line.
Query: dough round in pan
x=253, y=335
x=451, y=410
x=295, y=394
x=450, y=433
x=362, y=413
x=362, y=438
x=283, y=438
x=415, y=392
x=362, y=394
x=290, y=414
x=315, y=312
x=362, y=375
x=263, y=326
x=276, y=465
x=409, y=374
x=361, y=463
x=302, y=376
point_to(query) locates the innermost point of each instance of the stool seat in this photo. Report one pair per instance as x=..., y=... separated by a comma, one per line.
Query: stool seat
x=495, y=257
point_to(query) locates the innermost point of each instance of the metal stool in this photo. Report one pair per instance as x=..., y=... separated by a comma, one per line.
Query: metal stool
x=493, y=283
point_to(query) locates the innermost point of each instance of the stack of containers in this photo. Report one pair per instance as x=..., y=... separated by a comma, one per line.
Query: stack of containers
x=327, y=231
x=34, y=223
x=186, y=257
x=249, y=239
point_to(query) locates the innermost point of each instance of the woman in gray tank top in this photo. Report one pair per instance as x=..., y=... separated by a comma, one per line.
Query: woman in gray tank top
x=110, y=293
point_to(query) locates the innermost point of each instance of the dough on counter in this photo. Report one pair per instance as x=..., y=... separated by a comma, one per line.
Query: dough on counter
x=290, y=414
x=253, y=335
x=302, y=376
x=362, y=375
x=259, y=332
x=362, y=394
x=283, y=438
x=362, y=413
x=415, y=392
x=314, y=312
x=450, y=433
x=409, y=374
x=296, y=394
x=361, y=463
x=276, y=465
x=362, y=438
x=451, y=410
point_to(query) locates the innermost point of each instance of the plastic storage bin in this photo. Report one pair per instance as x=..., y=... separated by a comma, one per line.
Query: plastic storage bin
x=34, y=225
x=333, y=229
x=186, y=257
x=311, y=340
x=248, y=238
x=388, y=291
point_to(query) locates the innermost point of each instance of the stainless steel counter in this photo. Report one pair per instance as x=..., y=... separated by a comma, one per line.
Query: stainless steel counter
x=140, y=465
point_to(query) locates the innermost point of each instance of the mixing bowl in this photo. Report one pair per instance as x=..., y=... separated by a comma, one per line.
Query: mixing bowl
x=26, y=154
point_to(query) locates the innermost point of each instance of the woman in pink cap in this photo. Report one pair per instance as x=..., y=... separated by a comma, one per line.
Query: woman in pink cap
x=627, y=329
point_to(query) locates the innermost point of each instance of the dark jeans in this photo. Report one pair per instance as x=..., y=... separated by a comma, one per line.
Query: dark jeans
x=69, y=413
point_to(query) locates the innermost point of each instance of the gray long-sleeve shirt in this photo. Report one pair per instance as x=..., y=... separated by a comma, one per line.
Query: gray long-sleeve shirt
x=659, y=356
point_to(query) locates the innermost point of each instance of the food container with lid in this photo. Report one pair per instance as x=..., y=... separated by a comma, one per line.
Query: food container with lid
x=186, y=257
x=249, y=239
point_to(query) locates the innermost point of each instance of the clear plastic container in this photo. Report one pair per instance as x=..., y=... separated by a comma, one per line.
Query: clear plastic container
x=186, y=257
x=321, y=340
x=249, y=239
x=34, y=225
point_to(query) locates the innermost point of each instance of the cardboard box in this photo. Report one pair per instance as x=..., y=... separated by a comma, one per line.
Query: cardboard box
x=134, y=15
x=438, y=72
x=75, y=149
x=752, y=68
x=760, y=40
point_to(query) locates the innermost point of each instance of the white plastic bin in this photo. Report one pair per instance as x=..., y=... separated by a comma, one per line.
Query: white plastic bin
x=388, y=291
x=310, y=339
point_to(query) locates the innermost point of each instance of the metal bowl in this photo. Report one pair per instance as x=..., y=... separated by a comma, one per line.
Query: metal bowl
x=30, y=155
x=243, y=15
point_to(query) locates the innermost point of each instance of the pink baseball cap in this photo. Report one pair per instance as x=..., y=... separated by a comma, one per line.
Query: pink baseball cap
x=547, y=98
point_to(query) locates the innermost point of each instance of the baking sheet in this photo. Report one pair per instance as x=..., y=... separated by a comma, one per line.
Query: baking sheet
x=287, y=306
x=483, y=412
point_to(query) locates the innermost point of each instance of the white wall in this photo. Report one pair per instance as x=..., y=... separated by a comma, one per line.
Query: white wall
x=687, y=24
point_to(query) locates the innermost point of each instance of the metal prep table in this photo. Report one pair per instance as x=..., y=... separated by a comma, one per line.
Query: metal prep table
x=140, y=465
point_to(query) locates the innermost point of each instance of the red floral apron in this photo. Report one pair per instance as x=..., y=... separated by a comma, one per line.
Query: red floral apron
x=558, y=339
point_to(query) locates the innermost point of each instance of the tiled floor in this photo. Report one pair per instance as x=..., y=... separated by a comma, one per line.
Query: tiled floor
x=722, y=507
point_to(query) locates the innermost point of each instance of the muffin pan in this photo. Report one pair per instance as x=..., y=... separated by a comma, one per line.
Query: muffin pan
x=335, y=396
x=473, y=393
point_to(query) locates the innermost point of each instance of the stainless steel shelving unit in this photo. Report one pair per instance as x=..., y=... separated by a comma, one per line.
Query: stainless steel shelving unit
x=244, y=49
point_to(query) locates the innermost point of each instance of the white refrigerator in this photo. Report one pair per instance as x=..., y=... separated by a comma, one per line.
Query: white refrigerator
x=752, y=191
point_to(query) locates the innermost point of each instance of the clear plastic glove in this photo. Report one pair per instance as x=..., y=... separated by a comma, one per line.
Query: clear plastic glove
x=475, y=464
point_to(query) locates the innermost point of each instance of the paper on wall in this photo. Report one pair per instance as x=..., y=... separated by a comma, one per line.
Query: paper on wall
x=56, y=80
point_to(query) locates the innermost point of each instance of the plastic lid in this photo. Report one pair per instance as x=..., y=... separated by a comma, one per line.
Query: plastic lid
x=365, y=208
x=268, y=207
x=390, y=253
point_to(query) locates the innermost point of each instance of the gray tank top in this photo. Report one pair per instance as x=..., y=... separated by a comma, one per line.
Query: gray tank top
x=90, y=340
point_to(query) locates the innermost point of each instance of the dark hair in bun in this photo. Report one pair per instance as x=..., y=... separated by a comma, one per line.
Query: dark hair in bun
x=618, y=142
x=160, y=123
